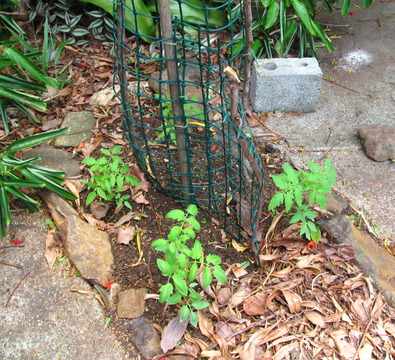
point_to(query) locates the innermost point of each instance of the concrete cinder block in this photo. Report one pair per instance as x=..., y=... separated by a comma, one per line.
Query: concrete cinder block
x=288, y=85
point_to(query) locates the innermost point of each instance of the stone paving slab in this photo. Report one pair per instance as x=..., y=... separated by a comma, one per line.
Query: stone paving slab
x=43, y=319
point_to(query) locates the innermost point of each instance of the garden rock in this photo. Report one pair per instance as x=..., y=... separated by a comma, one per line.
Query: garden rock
x=81, y=125
x=373, y=259
x=88, y=248
x=378, y=141
x=57, y=159
x=336, y=204
x=131, y=303
x=144, y=337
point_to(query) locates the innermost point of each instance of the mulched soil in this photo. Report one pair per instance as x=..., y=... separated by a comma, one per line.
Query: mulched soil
x=299, y=303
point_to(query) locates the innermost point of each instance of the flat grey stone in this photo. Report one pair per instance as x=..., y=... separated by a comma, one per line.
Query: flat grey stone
x=81, y=125
x=144, y=337
x=378, y=141
x=57, y=159
x=44, y=319
x=131, y=303
x=88, y=248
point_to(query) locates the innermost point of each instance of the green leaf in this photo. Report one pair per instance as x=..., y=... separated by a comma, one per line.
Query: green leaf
x=322, y=35
x=303, y=14
x=164, y=267
x=345, y=7
x=174, y=233
x=175, y=214
x=5, y=206
x=198, y=305
x=91, y=196
x=174, y=299
x=165, y=292
x=160, y=244
x=192, y=209
x=220, y=274
x=207, y=277
x=316, y=235
x=194, y=318
x=197, y=250
x=276, y=201
x=184, y=313
x=34, y=140
x=24, y=62
x=288, y=201
x=272, y=14
x=182, y=261
x=10, y=81
x=22, y=196
x=213, y=259
x=194, y=223
x=132, y=180
x=106, y=152
x=101, y=193
x=180, y=284
x=23, y=98
x=193, y=272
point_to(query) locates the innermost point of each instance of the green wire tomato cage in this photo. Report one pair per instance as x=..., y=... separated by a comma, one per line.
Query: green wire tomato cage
x=171, y=58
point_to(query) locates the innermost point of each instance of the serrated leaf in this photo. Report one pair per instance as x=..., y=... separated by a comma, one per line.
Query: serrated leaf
x=182, y=261
x=220, y=274
x=165, y=292
x=184, y=313
x=91, y=196
x=192, y=209
x=193, y=272
x=213, y=259
x=194, y=318
x=174, y=299
x=174, y=233
x=276, y=201
x=194, y=223
x=207, y=277
x=197, y=250
x=175, y=214
x=198, y=305
x=160, y=244
x=180, y=284
x=164, y=267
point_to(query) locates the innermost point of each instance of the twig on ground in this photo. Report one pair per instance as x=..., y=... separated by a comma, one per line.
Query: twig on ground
x=14, y=265
x=16, y=287
x=360, y=213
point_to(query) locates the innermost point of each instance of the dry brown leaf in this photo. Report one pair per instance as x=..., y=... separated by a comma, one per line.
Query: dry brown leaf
x=238, y=270
x=226, y=330
x=238, y=247
x=139, y=175
x=173, y=333
x=334, y=318
x=268, y=257
x=207, y=329
x=254, y=305
x=98, y=209
x=198, y=342
x=293, y=300
x=248, y=352
x=238, y=297
x=284, y=273
x=53, y=246
x=315, y=318
x=125, y=235
x=224, y=295
x=345, y=348
x=139, y=198
x=365, y=353
x=75, y=186
x=285, y=351
x=362, y=309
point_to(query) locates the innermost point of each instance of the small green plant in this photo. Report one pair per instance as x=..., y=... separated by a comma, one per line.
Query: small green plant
x=182, y=264
x=16, y=173
x=168, y=129
x=109, y=176
x=299, y=190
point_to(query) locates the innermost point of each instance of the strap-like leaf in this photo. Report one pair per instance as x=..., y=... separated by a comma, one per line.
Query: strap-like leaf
x=5, y=206
x=35, y=140
x=23, y=98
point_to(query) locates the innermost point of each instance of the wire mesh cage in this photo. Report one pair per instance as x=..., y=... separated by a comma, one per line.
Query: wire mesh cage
x=170, y=66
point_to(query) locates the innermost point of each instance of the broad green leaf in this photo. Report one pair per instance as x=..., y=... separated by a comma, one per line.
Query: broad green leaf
x=24, y=62
x=174, y=299
x=197, y=250
x=89, y=161
x=198, y=305
x=132, y=180
x=213, y=259
x=160, y=244
x=91, y=196
x=164, y=267
x=117, y=149
x=192, y=209
x=194, y=318
x=101, y=193
x=106, y=152
x=174, y=233
x=194, y=223
x=304, y=15
x=206, y=277
x=182, y=261
x=276, y=201
x=272, y=14
x=316, y=235
x=165, y=292
x=184, y=313
x=366, y=3
x=34, y=140
x=220, y=274
x=175, y=214
x=180, y=284
x=193, y=272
